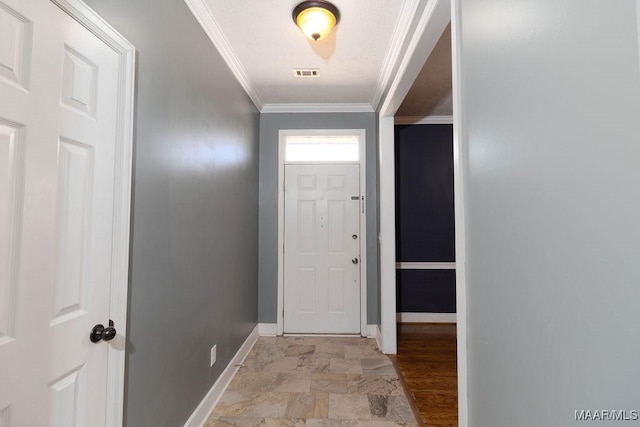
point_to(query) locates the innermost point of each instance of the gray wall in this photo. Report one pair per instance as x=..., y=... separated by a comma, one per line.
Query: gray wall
x=270, y=125
x=195, y=212
x=551, y=106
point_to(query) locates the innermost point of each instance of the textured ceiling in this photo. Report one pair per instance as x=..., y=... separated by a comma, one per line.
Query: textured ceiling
x=356, y=62
x=268, y=45
x=430, y=94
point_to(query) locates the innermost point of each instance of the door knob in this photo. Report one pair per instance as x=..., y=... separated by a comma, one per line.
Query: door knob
x=354, y=237
x=354, y=261
x=99, y=332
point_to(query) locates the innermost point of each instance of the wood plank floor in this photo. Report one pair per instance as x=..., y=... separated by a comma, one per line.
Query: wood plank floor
x=426, y=361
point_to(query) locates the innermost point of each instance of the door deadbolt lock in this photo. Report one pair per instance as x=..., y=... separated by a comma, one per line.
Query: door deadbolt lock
x=354, y=237
x=354, y=261
x=99, y=332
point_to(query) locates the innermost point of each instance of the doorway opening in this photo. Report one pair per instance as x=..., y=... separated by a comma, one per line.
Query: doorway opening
x=426, y=267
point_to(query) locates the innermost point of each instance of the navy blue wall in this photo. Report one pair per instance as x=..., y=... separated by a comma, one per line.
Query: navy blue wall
x=425, y=216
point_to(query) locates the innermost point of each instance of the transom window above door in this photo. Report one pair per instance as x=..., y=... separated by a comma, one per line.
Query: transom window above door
x=322, y=148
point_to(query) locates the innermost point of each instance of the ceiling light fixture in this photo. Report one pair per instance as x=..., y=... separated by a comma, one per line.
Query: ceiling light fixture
x=316, y=18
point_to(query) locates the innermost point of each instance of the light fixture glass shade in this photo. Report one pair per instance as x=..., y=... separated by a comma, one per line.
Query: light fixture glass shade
x=316, y=18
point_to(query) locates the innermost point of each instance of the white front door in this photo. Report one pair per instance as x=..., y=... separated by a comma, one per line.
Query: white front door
x=322, y=249
x=59, y=87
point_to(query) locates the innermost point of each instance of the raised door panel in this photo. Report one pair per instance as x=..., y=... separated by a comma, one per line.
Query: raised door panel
x=11, y=192
x=15, y=47
x=336, y=226
x=75, y=173
x=306, y=285
x=79, y=82
x=306, y=226
x=336, y=295
x=68, y=399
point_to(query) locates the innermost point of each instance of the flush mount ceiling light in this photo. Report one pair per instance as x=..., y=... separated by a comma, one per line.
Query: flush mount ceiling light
x=316, y=18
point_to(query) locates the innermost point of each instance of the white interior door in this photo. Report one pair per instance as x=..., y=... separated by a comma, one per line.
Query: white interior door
x=59, y=87
x=322, y=249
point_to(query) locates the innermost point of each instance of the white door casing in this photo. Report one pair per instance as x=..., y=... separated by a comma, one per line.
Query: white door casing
x=283, y=135
x=436, y=15
x=66, y=98
x=430, y=25
x=322, y=249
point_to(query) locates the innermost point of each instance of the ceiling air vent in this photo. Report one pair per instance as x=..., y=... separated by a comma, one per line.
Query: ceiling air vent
x=306, y=72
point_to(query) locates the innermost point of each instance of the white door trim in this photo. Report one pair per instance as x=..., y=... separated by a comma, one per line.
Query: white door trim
x=82, y=13
x=460, y=179
x=282, y=135
x=387, y=237
x=434, y=19
x=638, y=25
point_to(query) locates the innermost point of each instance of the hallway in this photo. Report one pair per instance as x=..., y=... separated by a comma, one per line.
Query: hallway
x=162, y=193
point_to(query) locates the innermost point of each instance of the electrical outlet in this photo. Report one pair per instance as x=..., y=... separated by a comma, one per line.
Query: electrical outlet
x=213, y=355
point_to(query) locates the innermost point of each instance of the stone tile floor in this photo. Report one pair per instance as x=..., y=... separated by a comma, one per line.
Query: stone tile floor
x=315, y=382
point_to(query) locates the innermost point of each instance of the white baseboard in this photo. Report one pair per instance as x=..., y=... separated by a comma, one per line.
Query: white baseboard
x=427, y=318
x=205, y=408
x=271, y=330
x=373, y=331
x=268, y=329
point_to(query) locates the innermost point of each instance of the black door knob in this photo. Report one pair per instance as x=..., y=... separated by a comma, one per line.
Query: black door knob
x=109, y=332
x=99, y=332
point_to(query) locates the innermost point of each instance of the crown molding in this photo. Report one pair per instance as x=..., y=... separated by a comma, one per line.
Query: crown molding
x=393, y=56
x=317, y=108
x=419, y=120
x=205, y=18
